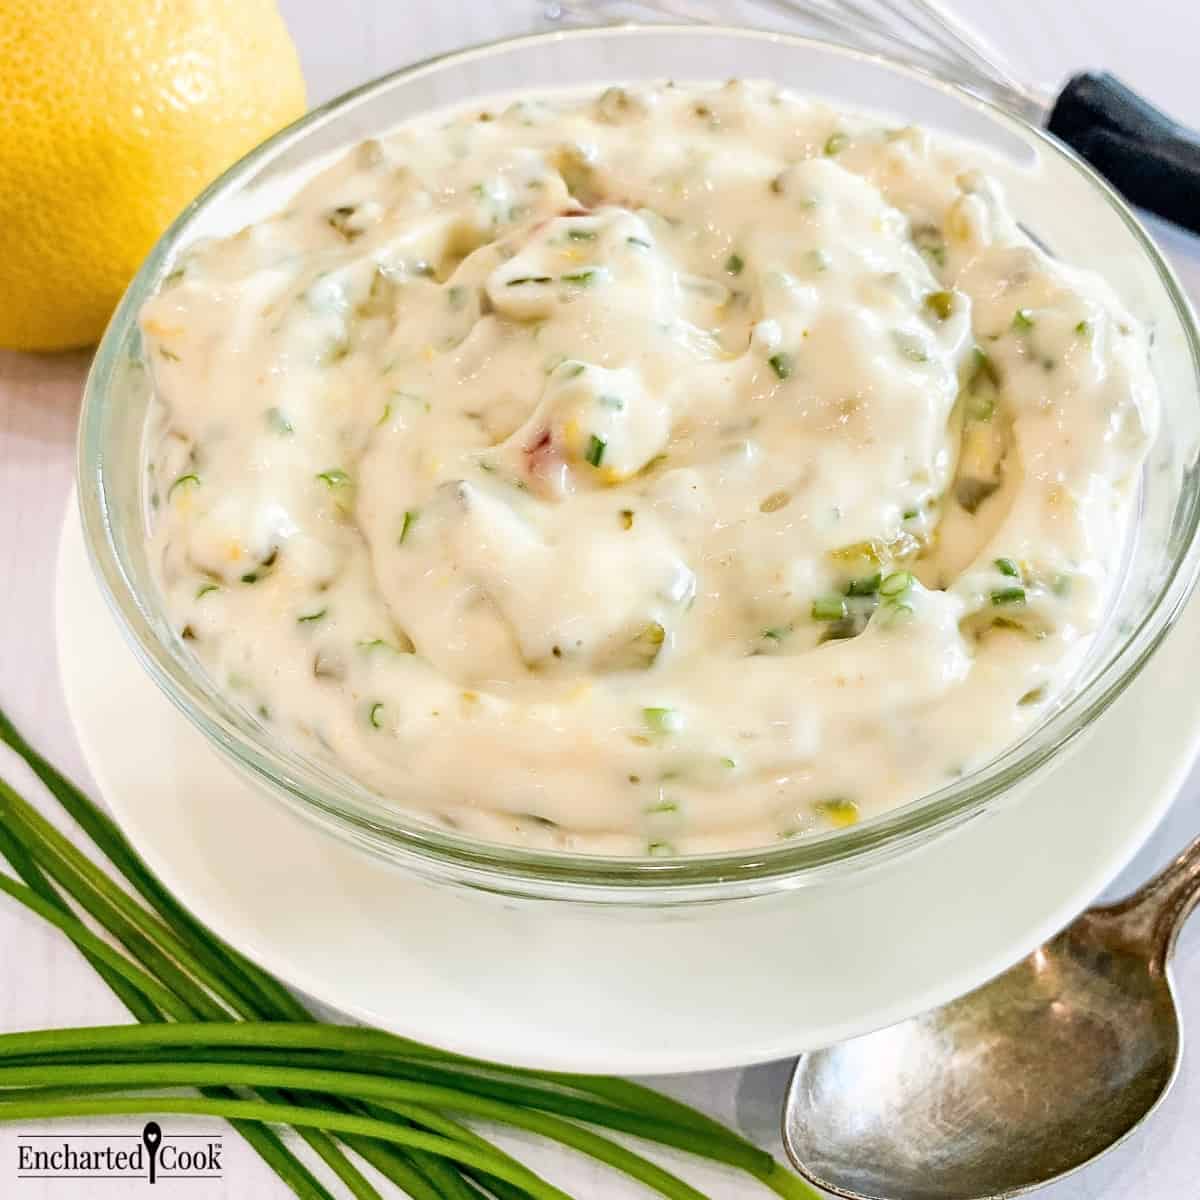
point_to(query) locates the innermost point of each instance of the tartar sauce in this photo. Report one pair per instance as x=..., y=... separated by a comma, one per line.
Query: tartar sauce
x=661, y=470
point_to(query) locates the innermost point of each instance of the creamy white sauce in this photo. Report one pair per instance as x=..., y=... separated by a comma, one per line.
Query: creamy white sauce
x=669, y=470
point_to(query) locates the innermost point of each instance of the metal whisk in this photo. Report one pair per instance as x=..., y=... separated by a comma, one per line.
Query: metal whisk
x=1144, y=153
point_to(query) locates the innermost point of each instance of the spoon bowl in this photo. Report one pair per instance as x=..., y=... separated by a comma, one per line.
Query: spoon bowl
x=1015, y=1084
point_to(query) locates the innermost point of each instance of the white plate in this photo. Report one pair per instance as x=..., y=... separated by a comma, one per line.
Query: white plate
x=553, y=987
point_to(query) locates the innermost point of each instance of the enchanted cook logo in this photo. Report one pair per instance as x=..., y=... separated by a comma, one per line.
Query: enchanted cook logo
x=149, y=1155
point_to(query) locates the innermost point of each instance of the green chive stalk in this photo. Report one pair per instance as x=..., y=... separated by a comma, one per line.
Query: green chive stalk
x=212, y=1021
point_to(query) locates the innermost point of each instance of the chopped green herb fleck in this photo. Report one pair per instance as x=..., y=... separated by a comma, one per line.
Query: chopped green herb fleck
x=663, y=806
x=911, y=514
x=941, y=304
x=410, y=517
x=829, y=608
x=278, y=423
x=776, y=634
x=1008, y=595
x=1022, y=320
x=662, y=720
x=836, y=143
x=1033, y=696
x=595, y=450
x=374, y=715
x=896, y=584
x=335, y=479
x=735, y=264
x=819, y=260
x=524, y=280
x=1006, y=566
x=728, y=763
x=582, y=278
x=1084, y=329
x=581, y=235
x=929, y=241
x=383, y=416
x=660, y=849
x=910, y=346
x=313, y=616
x=182, y=481
x=206, y=588
x=572, y=370
x=250, y=577
x=637, y=241
x=781, y=364
x=866, y=586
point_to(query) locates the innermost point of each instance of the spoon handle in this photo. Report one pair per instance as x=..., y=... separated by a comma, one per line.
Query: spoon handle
x=1156, y=912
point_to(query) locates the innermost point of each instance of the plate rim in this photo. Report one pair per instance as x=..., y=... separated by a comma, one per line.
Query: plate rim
x=742, y=1050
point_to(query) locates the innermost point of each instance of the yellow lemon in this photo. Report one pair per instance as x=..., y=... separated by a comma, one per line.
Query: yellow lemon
x=113, y=116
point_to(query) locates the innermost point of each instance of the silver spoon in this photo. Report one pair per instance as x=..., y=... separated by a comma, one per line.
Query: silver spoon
x=1016, y=1084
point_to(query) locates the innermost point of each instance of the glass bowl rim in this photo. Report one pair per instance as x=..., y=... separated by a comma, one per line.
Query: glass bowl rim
x=355, y=812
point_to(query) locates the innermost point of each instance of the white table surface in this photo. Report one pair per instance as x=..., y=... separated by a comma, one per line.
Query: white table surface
x=42, y=980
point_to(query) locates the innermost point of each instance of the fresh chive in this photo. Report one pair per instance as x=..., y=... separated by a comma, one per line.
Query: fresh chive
x=410, y=516
x=728, y=763
x=582, y=278
x=334, y=479
x=581, y=235
x=205, y=588
x=382, y=1096
x=781, y=364
x=183, y=481
x=776, y=634
x=896, y=584
x=1006, y=566
x=313, y=616
x=866, y=586
x=1008, y=595
x=1084, y=329
x=572, y=370
x=836, y=143
x=595, y=450
x=374, y=715
x=525, y=280
x=660, y=849
x=637, y=241
x=251, y=577
x=829, y=608
x=662, y=720
x=1022, y=320
x=735, y=264
x=911, y=514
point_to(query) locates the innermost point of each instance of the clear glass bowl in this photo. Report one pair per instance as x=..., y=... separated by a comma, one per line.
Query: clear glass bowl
x=1055, y=195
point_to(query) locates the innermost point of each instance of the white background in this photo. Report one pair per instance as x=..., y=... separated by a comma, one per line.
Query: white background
x=1151, y=43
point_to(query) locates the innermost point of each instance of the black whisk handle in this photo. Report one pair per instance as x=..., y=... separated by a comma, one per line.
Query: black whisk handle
x=1151, y=159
